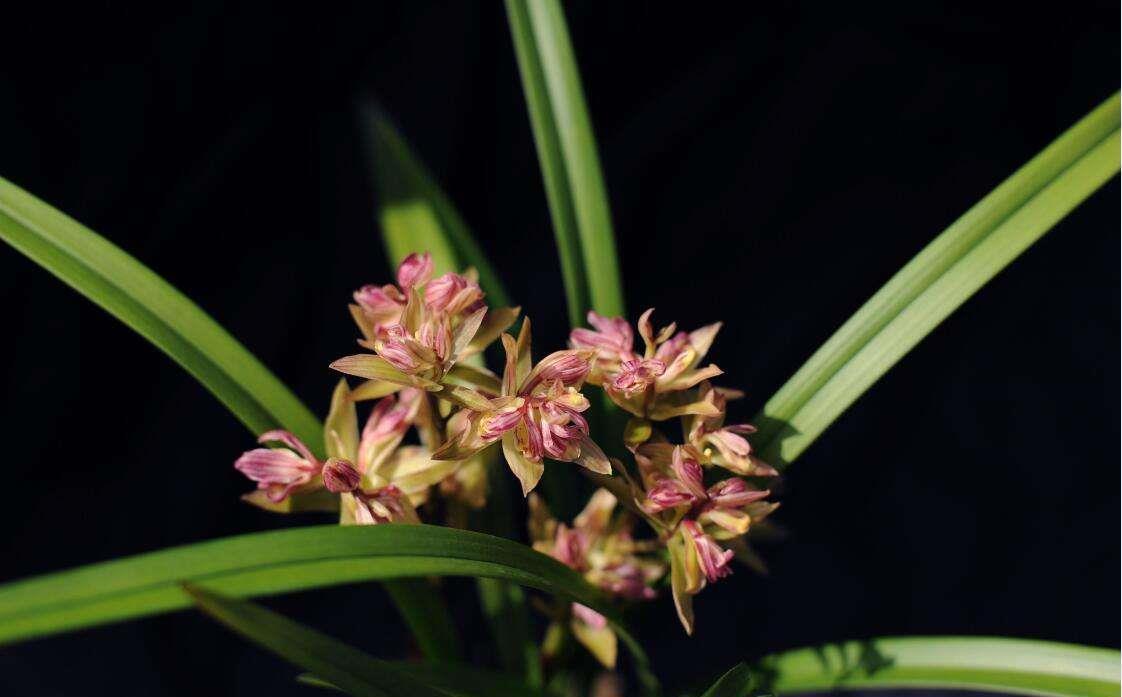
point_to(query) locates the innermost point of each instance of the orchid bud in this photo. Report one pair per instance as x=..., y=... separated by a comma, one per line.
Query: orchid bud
x=279, y=471
x=452, y=293
x=415, y=269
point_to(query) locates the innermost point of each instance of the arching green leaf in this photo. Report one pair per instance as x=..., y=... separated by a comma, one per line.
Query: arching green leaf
x=938, y=280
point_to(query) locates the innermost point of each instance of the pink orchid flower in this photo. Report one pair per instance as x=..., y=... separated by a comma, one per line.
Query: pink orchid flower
x=280, y=471
x=421, y=327
x=537, y=415
x=649, y=384
x=600, y=547
x=725, y=445
x=682, y=487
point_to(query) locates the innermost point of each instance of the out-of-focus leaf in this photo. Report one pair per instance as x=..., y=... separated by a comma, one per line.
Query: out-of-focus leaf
x=415, y=215
x=343, y=666
x=938, y=280
x=737, y=682
x=454, y=678
x=574, y=184
x=426, y=613
x=1009, y=666
x=132, y=293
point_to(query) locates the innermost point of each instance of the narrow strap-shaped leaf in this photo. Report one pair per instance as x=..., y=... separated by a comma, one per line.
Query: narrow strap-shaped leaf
x=426, y=613
x=415, y=214
x=1011, y=666
x=455, y=678
x=345, y=667
x=737, y=682
x=138, y=297
x=132, y=293
x=574, y=184
x=273, y=562
x=938, y=280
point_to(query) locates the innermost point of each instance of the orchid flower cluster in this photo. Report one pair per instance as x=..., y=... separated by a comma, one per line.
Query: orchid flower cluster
x=423, y=371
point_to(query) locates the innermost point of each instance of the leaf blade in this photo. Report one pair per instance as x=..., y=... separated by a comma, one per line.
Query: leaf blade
x=570, y=165
x=275, y=562
x=1015, y=666
x=450, y=677
x=427, y=616
x=415, y=214
x=938, y=280
x=343, y=666
x=134, y=294
x=734, y=683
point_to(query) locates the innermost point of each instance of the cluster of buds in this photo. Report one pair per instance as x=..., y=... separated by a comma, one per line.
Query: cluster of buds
x=656, y=384
x=422, y=372
x=665, y=381
x=599, y=546
x=424, y=335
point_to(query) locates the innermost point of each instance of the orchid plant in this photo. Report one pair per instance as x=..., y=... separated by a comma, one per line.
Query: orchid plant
x=678, y=485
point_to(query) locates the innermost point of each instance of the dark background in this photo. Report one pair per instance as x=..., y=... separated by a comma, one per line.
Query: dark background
x=771, y=169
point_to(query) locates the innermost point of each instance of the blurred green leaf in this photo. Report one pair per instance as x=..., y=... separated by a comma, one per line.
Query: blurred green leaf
x=132, y=293
x=346, y=668
x=425, y=612
x=414, y=213
x=1011, y=666
x=938, y=280
x=737, y=682
x=570, y=165
x=454, y=678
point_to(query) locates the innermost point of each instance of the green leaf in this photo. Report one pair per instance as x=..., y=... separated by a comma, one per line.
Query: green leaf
x=574, y=185
x=940, y=278
x=280, y=561
x=454, y=678
x=1012, y=666
x=737, y=682
x=426, y=614
x=132, y=293
x=345, y=667
x=415, y=214
x=138, y=297
x=504, y=606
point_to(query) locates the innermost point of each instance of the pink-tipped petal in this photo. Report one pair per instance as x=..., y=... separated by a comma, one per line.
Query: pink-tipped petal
x=568, y=367
x=282, y=436
x=688, y=472
x=278, y=472
x=415, y=269
x=735, y=493
x=712, y=559
x=667, y=494
x=589, y=616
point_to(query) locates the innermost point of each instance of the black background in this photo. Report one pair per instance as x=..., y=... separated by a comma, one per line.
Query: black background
x=770, y=168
